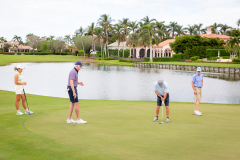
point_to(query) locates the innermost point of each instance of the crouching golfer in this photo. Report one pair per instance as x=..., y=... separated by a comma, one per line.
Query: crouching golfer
x=18, y=80
x=161, y=90
x=197, y=83
x=72, y=92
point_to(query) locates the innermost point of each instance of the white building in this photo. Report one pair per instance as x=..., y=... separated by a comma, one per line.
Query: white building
x=163, y=49
x=115, y=45
x=15, y=45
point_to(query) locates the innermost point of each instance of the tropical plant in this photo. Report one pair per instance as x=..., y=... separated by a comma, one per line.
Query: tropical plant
x=191, y=29
x=198, y=27
x=67, y=39
x=133, y=26
x=173, y=26
x=124, y=23
x=105, y=21
x=118, y=33
x=80, y=32
x=215, y=28
x=2, y=39
x=152, y=33
x=99, y=33
x=29, y=34
x=180, y=30
x=238, y=22
x=224, y=29
x=161, y=27
x=17, y=38
x=146, y=20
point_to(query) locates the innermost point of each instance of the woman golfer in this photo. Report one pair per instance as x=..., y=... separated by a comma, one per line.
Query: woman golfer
x=18, y=80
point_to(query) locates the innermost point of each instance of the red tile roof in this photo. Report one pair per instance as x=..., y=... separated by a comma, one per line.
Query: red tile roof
x=222, y=37
x=164, y=43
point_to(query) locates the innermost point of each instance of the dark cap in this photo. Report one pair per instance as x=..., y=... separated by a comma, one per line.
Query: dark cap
x=79, y=63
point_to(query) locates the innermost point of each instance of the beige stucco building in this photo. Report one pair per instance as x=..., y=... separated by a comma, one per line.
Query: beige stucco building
x=15, y=45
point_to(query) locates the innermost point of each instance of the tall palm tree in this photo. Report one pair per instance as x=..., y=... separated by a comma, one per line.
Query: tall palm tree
x=238, y=22
x=99, y=33
x=198, y=27
x=152, y=33
x=204, y=30
x=133, y=26
x=224, y=29
x=146, y=20
x=17, y=38
x=133, y=40
x=68, y=39
x=91, y=32
x=124, y=23
x=80, y=32
x=234, y=43
x=161, y=27
x=51, y=38
x=119, y=34
x=180, y=30
x=105, y=20
x=173, y=26
x=191, y=29
x=2, y=39
x=215, y=28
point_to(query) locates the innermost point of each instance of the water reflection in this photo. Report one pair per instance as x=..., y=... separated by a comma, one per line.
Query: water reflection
x=121, y=83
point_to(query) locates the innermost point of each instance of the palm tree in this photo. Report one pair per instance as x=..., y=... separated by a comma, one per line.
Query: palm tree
x=133, y=40
x=124, y=23
x=161, y=27
x=147, y=20
x=224, y=29
x=51, y=38
x=68, y=39
x=204, y=30
x=173, y=26
x=91, y=32
x=234, y=43
x=180, y=30
x=152, y=33
x=198, y=27
x=17, y=38
x=119, y=34
x=133, y=26
x=191, y=29
x=99, y=33
x=215, y=28
x=238, y=22
x=80, y=32
x=105, y=20
x=2, y=39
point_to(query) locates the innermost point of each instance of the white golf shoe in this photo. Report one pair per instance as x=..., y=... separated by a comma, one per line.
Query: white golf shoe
x=167, y=120
x=28, y=112
x=70, y=121
x=81, y=121
x=20, y=113
x=155, y=119
x=198, y=113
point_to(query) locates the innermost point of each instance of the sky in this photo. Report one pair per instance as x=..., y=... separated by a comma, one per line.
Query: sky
x=64, y=17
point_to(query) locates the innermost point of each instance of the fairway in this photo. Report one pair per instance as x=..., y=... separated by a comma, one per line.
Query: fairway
x=117, y=130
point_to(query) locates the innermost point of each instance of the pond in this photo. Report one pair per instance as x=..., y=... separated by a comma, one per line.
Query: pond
x=120, y=83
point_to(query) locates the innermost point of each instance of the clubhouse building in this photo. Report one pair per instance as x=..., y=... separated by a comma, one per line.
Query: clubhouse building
x=15, y=46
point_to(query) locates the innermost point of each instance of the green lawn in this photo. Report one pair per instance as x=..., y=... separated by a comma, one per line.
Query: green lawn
x=117, y=130
x=201, y=64
x=7, y=59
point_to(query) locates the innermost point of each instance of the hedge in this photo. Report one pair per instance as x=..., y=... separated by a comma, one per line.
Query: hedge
x=114, y=52
x=214, y=53
x=176, y=57
x=235, y=60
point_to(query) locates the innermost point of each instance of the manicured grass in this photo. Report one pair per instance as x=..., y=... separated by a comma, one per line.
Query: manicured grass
x=7, y=59
x=201, y=64
x=117, y=130
x=112, y=62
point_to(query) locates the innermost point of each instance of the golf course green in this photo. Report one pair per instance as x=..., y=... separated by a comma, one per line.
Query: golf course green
x=117, y=130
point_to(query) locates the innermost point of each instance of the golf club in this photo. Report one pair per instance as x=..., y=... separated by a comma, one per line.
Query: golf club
x=194, y=103
x=162, y=113
x=26, y=102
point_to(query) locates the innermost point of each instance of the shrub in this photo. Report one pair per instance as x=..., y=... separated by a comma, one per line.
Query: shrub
x=235, y=60
x=126, y=60
x=193, y=58
x=110, y=58
x=114, y=52
x=66, y=50
x=214, y=53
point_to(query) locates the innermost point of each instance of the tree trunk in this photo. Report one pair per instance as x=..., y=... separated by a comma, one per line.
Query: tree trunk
x=101, y=49
x=150, y=52
x=123, y=49
x=118, y=48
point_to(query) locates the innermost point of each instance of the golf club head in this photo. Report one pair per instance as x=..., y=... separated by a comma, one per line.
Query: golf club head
x=160, y=122
x=29, y=114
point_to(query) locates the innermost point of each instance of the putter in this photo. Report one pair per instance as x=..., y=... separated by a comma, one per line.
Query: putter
x=194, y=103
x=26, y=102
x=162, y=114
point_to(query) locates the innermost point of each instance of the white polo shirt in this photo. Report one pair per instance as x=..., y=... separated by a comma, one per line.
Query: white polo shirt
x=162, y=89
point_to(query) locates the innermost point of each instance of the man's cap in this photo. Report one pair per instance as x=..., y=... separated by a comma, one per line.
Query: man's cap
x=160, y=82
x=79, y=63
x=20, y=66
x=198, y=69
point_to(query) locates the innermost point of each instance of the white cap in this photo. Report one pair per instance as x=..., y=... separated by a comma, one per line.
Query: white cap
x=198, y=69
x=20, y=66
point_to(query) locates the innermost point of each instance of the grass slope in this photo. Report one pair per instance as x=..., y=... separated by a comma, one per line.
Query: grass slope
x=117, y=130
x=7, y=59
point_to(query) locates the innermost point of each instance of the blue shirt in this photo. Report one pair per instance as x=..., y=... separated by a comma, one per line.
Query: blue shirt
x=197, y=79
x=162, y=89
